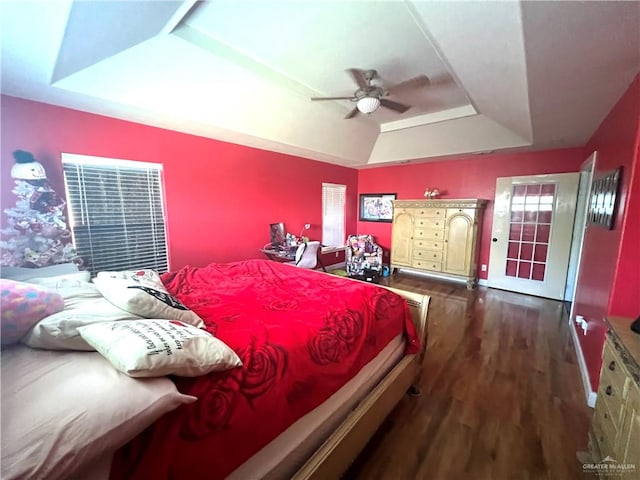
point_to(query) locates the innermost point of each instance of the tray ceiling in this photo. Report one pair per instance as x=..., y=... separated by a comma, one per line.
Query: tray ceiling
x=504, y=75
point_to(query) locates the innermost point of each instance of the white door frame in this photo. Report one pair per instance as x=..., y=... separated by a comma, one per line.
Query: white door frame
x=586, y=173
x=587, y=170
x=554, y=284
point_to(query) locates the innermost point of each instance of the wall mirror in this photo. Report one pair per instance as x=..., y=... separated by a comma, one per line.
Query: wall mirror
x=277, y=234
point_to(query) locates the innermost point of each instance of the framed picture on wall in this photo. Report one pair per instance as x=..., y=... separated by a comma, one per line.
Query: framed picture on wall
x=602, y=203
x=376, y=207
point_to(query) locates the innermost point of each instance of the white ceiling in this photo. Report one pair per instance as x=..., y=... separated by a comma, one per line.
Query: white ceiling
x=503, y=75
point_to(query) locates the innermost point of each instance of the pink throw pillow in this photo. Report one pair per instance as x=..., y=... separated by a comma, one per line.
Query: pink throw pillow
x=22, y=306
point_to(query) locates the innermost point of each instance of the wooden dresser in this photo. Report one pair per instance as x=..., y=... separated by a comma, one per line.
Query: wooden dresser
x=437, y=237
x=615, y=429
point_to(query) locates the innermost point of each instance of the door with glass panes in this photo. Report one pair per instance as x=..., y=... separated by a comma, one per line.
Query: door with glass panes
x=531, y=236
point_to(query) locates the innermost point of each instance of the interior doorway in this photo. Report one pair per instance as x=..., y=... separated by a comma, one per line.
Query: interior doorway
x=532, y=232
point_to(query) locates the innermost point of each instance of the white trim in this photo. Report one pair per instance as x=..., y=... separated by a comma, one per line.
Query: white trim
x=335, y=266
x=429, y=118
x=588, y=167
x=431, y=274
x=483, y=282
x=588, y=391
x=108, y=162
x=324, y=250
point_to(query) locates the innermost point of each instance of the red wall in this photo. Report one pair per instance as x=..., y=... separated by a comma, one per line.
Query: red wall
x=220, y=197
x=608, y=282
x=469, y=177
x=625, y=293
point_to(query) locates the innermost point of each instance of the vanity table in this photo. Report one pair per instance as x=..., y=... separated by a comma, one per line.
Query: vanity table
x=287, y=255
x=279, y=255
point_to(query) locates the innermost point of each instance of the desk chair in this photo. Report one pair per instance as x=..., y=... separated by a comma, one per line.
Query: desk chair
x=307, y=255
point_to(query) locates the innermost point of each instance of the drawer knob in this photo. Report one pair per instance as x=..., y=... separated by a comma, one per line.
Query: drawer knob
x=612, y=365
x=606, y=415
x=434, y=255
x=419, y=253
x=608, y=390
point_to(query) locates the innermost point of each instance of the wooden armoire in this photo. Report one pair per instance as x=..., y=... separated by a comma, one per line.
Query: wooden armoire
x=437, y=237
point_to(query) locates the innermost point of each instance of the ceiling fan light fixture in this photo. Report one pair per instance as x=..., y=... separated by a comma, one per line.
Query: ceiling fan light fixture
x=368, y=104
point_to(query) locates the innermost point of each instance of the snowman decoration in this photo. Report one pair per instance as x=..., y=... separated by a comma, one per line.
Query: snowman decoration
x=36, y=233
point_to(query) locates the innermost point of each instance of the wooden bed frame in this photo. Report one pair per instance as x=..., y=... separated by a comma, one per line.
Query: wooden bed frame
x=335, y=455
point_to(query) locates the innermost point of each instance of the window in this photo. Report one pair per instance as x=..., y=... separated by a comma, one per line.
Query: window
x=116, y=213
x=333, y=201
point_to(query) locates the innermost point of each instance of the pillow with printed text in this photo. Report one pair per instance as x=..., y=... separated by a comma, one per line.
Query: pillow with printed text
x=152, y=348
x=142, y=293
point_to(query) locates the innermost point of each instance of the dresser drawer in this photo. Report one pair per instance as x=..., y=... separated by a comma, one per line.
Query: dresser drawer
x=425, y=244
x=604, y=433
x=428, y=234
x=434, y=223
x=609, y=409
x=427, y=255
x=426, y=265
x=430, y=212
x=613, y=370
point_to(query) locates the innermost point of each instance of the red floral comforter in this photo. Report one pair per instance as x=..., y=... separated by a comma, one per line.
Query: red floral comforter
x=301, y=336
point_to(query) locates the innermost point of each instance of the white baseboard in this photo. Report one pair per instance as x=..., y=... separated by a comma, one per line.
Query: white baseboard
x=584, y=373
x=483, y=282
x=335, y=266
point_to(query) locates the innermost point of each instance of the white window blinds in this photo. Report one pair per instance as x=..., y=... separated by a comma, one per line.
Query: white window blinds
x=333, y=216
x=116, y=213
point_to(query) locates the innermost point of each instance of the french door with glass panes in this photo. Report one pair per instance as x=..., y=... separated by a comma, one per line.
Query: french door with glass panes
x=531, y=236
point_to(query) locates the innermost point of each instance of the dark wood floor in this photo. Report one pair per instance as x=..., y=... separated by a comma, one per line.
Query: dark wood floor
x=501, y=393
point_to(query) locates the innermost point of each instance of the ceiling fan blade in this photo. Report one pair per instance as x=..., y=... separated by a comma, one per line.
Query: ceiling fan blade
x=415, y=82
x=358, y=77
x=315, y=99
x=398, y=107
x=351, y=114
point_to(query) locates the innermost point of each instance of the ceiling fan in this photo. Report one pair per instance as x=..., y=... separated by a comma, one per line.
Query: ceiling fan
x=369, y=96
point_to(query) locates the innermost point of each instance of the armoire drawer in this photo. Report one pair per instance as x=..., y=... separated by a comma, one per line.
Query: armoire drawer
x=425, y=244
x=427, y=255
x=430, y=212
x=429, y=222
x=428, y=234
x=426, y=264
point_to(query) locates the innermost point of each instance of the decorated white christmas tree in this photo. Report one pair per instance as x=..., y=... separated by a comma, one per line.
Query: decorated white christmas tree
x=36, y=233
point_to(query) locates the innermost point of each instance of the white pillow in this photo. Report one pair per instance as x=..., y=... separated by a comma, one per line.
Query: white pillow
x=83, y=305
x=150, y=348
x=141, y=292
x=63, y=410
x=23, y=274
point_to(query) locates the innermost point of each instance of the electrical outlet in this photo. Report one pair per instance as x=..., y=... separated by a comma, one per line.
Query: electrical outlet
x=585, y=326
x=337, y=254
x=483, y=267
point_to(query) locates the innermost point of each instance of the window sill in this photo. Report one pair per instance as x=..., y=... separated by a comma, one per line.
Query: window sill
x=332, y=249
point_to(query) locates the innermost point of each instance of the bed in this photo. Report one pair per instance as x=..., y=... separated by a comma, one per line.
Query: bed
x=324, y=360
